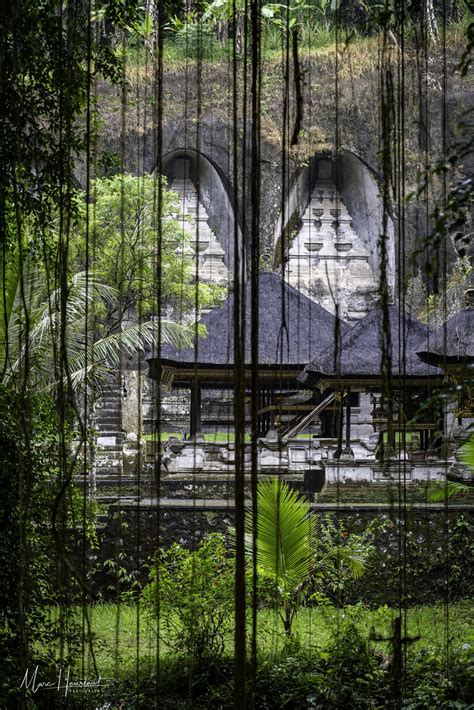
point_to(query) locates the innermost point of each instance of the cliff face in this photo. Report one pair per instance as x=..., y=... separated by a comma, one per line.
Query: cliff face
x=342, y=101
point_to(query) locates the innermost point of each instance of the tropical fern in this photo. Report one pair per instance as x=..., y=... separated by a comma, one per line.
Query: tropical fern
x=442, y=490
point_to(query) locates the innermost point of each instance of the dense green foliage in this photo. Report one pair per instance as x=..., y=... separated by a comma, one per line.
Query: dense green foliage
x=121, y=228
x=338, y=663
x=33, y=571
x=134, y=242
x=294, y=569
x=49, y=59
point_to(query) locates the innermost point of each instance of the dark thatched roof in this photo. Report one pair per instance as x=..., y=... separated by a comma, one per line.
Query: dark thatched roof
x=361, y=349
x=453, y=342
x=309, y=330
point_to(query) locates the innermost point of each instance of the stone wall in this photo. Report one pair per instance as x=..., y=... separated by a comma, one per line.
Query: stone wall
x=424, y=554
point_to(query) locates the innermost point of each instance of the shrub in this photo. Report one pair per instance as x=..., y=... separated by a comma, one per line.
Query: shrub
x=351, y=676
x=194, y=40
x=342, y=557
x=192, y=594
x=300, y=559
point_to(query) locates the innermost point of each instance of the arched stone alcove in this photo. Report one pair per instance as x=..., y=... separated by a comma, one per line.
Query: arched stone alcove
x=331, y=235
x=206, y=198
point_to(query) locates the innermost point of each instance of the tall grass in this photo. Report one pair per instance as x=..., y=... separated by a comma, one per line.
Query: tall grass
x=315, y=35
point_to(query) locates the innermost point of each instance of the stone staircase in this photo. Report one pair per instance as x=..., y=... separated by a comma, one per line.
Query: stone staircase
x=110, y=435
x=116, y=475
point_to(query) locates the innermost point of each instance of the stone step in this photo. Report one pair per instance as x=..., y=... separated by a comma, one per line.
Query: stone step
x=110, y=419
x=106, y=471
x=113, y=460
x=112, y=479
x=104, y=499
x=103, y=457
x=104, y=483
x=110, y=437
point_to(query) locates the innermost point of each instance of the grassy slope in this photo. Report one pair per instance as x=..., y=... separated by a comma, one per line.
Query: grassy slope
x=357, y=66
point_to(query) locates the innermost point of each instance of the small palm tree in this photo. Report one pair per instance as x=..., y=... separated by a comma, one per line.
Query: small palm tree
x=286, y=544
x=291, y=560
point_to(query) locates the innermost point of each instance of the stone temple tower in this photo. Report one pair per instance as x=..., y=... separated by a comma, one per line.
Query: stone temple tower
x=327, y=259
x=204, y=244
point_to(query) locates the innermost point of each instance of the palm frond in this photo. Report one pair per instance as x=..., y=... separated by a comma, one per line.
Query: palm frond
x=87, y=361
x=109, y=351
x=136, y=337
x=94, y=374
x=356, y=564
x=443, y=490
x=9, y=278
x=285, y=532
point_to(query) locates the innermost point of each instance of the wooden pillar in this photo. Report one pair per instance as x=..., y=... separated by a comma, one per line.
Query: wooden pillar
x=261, y=405
x=347, y=452
x=348, y=418
x=271, y=415
x=195, y=418
x=340, y=421
x=265, y=420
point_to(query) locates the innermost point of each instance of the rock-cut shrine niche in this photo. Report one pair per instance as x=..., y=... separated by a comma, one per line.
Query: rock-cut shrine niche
x=328, y=259
x=207, y=251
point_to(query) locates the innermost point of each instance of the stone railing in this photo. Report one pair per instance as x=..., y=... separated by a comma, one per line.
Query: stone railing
x=297, y=456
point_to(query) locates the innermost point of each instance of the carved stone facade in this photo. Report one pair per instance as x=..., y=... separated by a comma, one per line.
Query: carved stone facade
x=207, y=250
x=328, y=260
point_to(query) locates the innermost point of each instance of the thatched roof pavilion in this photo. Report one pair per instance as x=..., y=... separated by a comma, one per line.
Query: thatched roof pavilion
x=360, y=364
x=361, y=352
x=310, y=332
x=451, y=348
x=292, y=330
